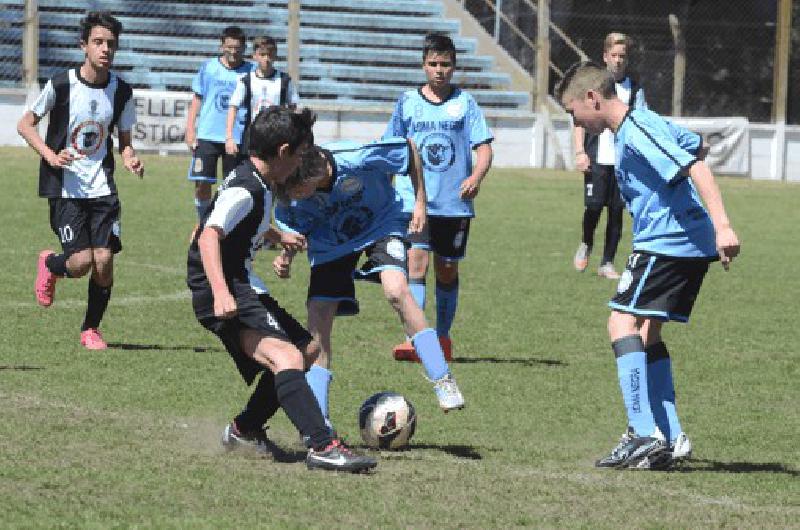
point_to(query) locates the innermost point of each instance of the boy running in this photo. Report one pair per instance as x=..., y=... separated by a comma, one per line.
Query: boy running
x=76, y=173
x=259, y=334
x=447, y=125
x=674, y=239
x=344, y=204
x=212, y=87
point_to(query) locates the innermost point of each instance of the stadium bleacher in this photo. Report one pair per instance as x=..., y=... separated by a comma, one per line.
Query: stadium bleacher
x=359, y=51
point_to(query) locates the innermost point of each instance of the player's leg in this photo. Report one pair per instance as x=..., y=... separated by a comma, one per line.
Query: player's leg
x=203, y=172
x=613, y=225
x=69, y=220
x=449, y=237
x=297, y=400
x=591, y=216
x=418, y=257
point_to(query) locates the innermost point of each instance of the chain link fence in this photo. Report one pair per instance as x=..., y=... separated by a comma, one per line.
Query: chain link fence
x=730, y=47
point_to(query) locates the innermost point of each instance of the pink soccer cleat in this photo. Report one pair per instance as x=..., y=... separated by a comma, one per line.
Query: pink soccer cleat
x=92, y=340
x=45, y=285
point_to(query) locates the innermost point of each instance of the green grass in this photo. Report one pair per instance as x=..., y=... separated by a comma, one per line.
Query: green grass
x=129, y=436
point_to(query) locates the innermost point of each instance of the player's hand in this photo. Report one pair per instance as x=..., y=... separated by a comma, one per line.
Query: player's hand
x=282, y=265
x=582, y=162
x=293, y=242
x=419, y=220
x=134, y=165
x=728, y=246
x=224, y=306
x=230, y=147
x=470, y=188
x=63, y=158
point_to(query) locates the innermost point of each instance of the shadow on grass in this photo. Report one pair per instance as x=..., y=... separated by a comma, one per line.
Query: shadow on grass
x=159, y=347
x=703, y=465
x=497, y=360
x=459, y=451
x=20, y=367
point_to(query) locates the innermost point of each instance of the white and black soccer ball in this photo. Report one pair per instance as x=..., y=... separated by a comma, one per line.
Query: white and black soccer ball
x=387, y=421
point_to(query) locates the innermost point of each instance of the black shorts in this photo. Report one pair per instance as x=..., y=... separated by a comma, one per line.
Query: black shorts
x=334, y=281
x=203, y=167
x=258, y=312
x=659, y=287
x=600, y=188
x=86, y=223
x=446, y=236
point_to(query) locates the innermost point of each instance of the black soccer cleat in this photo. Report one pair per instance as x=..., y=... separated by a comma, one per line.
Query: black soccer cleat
x=254, y=440
x=337, y=457
x=638, y=452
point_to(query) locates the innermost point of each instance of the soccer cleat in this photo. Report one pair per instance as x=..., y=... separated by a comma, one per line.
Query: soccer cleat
x=606, y=270
x=92, y=340
x=256, y=440
x=447, y=348
x=405, y=352
x=337, y=457
x=581, y=260
x=681, y=448
x=638, y=452
x=45, y=285
x=448, y=394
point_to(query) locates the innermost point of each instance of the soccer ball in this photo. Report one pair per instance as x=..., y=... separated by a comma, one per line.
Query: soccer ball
x=387, y=421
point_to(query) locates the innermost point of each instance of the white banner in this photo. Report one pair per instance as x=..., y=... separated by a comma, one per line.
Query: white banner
x=160, y=120
x=728, y=140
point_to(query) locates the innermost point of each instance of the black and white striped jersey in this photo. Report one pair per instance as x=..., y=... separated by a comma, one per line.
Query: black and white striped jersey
x=82, y=117
x=242, y=209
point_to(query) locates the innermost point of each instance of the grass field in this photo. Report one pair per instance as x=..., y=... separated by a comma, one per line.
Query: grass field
x=129, y=436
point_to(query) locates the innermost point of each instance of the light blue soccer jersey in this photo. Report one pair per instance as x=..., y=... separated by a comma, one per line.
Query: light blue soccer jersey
x=360, y=208
x=215, y=82
x=445, y=134
x=669, y=218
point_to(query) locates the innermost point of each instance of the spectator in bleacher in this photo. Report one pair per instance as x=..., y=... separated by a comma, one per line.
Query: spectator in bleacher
x=594, y=156
x=212, y=87
x=263, y=87
x=448, y=125
x=76, y=173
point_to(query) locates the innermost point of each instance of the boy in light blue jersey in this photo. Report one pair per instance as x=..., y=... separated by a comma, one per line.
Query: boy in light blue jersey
x=343, y=201
x=212, y=87
x=447, y=125
x=675, y=237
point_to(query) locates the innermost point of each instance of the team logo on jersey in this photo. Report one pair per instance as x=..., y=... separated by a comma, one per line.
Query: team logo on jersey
x=438, y=152
x=222, y=101
x=454, y=109
x=625, y=281
x=354, y=223
x=350, y=186
x=88, y=137
x=396, y=249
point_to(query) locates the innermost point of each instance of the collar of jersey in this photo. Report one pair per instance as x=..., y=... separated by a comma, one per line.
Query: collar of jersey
x=92, y=85
x=451, y=95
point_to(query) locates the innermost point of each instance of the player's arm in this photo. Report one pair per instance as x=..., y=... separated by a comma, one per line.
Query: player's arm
x=483, y=161
x=230, y=144
x=128, y=154
x=419, y=217
x=26, y=127
x=191, y=118
x=581, y=158
x=211, y=256
x=727, y=241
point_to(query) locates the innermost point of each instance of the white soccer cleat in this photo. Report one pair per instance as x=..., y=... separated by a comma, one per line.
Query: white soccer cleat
x=682, y=447
x=448, y=394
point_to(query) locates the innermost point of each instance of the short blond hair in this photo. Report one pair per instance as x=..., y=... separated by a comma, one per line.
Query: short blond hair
x=582, y=77
x=614, y=38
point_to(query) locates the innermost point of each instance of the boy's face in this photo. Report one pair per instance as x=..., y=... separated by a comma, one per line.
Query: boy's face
x=310, y=185
x=232, y=51
x=616, y=59
x=439, y=68
x=586, y=112
x=264, y=57
x=286, y=162
x=100, y=48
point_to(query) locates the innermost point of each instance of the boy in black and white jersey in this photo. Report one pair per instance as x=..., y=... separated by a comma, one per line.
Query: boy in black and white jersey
x=76, y=173
x=261, y=336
